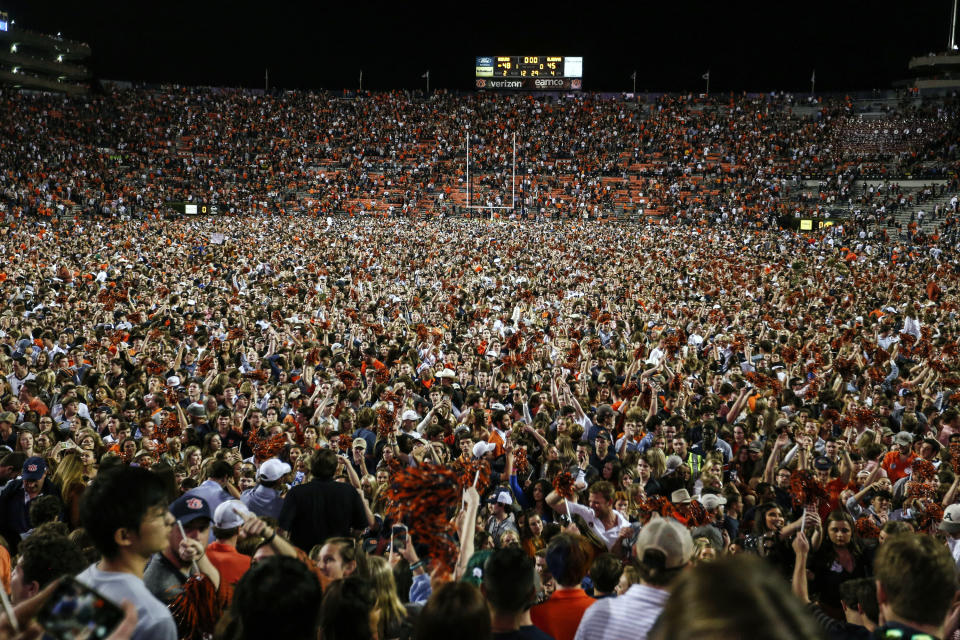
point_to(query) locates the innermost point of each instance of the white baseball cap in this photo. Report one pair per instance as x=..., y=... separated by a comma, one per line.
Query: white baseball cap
x=480, y=449
x=273, y=469
x=667, y=536
x=410, y=414
x=227, y=515
x=173, y=381
x=951, y=519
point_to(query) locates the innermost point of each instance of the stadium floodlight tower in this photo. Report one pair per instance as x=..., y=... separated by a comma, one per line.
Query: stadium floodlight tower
x=513, y=180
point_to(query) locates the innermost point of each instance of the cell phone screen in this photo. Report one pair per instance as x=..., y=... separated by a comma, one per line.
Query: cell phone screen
x=399, y=533
x=77, y=612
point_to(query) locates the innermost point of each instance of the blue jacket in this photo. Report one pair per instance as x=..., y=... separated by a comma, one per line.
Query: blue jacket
x=15, y=511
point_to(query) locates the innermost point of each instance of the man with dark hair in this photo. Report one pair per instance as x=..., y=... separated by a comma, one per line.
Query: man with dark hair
x=323, y=508
x=169, y=569
x=605, y=574
x=229, y=437
x=29, y=396
x=214, y=489
x=21, y=373
x=662, y=550
x=867, y=605
x=568, y=561
x=43, y=559
x=916, y=583
x=124, y=513
x=10, y=465
x=278, y=598
x=853, y=625
x=44, y=509
x=510, y=589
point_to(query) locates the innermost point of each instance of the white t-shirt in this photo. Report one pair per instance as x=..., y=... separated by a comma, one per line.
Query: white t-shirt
x=154, y=620
x=609, y=535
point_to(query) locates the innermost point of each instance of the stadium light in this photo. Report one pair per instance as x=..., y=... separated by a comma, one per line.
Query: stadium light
x=60, y=58
x=953, y=27
x=13, y=48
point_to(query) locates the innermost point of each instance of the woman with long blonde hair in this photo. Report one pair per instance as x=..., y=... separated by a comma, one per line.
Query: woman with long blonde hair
x=566, y=449
x=69, y=476
x=657, y=461
x=394, y=620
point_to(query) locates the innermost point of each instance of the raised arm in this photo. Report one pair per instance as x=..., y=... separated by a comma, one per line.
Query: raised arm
x=738, y=405
x=801, y=548
x=471, y=501
x=951, y=492
x=769, y=472
x=536, y=436
x=556, y=502
x=355, y=482
x=846, y=464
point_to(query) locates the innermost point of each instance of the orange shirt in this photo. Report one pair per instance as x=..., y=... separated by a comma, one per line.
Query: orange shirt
x=5, y=569
x=560, y=615
x=229, y=562
x=379, y=366
x=496, y=439
x=895, y=467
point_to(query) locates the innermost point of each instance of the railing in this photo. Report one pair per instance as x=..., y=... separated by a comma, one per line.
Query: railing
x=38, y=64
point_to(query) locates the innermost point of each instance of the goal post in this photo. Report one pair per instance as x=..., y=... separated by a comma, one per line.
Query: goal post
x=513, y=181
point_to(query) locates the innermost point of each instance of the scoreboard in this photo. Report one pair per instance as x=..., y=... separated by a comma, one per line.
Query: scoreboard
x=529, y=72
x=194, y=208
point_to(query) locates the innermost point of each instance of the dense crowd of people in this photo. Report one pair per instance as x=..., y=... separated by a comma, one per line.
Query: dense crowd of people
x=382, y=427
x=136, y=151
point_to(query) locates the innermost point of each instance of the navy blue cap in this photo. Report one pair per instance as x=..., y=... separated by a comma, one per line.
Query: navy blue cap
x=33, y=468
x=189, y=507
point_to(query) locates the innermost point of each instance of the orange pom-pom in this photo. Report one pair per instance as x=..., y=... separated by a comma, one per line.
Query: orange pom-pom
x=563, y=485
x=196, y=610
x=425, y=497
x=867, y=528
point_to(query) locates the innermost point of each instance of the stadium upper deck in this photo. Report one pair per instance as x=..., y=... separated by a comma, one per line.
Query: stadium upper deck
x=392, y=153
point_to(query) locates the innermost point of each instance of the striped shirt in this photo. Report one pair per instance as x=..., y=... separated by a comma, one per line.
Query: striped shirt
x=627, y=617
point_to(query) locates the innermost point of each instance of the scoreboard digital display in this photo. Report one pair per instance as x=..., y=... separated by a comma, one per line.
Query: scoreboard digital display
x=529, y=72
x=194, y=208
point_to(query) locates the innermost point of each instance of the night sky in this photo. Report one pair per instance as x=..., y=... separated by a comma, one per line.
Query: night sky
x=753, y=46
